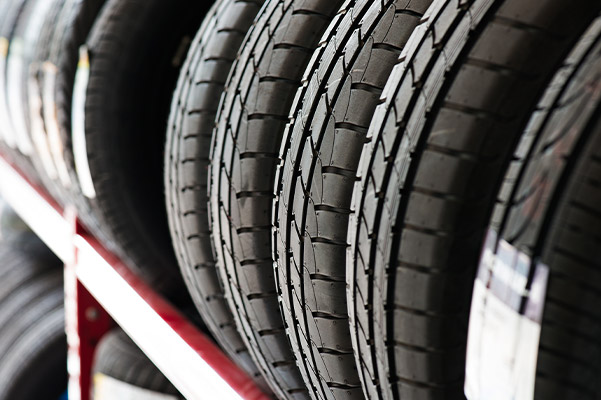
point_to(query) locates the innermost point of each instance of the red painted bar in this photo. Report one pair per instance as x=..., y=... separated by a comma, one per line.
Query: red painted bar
x=187, y=357
x=101, y=289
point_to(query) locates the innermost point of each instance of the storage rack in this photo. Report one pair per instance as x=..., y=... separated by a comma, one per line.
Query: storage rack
x=101, y=291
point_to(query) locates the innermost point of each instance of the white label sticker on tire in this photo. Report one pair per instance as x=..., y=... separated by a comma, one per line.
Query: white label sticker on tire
x=49, y=110
x=108, y=388
x=80, y=152
x=505, y=324
x=38, y=132
x=8, y=132
x=5, y=126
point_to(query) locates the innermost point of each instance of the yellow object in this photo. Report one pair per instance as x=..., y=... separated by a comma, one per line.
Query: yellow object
x=3, y=47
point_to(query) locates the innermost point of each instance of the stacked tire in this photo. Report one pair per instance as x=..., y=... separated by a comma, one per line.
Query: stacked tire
x=64, y=61
x=330, y=171
x=122, y=370
x=371, y=192
x=33, y=357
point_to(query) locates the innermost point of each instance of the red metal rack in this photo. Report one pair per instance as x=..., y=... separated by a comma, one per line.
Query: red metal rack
x=101, y=291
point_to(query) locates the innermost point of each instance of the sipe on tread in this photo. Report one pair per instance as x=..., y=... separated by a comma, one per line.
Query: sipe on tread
x=320, y=154
x=251, y=119
x=451, y=90
x=191, y=121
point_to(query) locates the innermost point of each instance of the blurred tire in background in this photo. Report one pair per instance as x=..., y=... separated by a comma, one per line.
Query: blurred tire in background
x=33, y=346
x=323, y=172
x=121, y=370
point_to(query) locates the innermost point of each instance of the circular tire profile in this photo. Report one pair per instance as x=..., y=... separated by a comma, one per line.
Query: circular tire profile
x=33, y=108
x=10, y=12
x=250, y=123
x=29, y=39
x=194, y=106
x=550, y=210
x=21, y=54
x=56, y=77
x=320, y=155
x=33, y=346
x=121, y=370
x=438, y=147
x=135, y=50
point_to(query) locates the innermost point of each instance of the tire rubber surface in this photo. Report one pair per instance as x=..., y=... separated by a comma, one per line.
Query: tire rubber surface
x=320, y=155
x=438, y=147
x=21, y=53
x=244, y=152
x=549, y=209
x=10, y=12
x=34, y=86
x=72, y=27
x=193, y=110
x=33, y=347
x=135, y=49
x=118, y=356
x=35, y=30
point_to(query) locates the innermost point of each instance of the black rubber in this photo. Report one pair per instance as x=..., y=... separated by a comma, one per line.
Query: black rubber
x=250, y=124
x=16, y=51
x=136, y=49
x=549, y=209
x=191, y=123
x=42, y=23
x=56, y=77
x=34, y=85
x=21, y=54
x=33, y=348
x=72, y=29
x=439, y=145
x=320, y=155
x=9, y=16
x=118, y=357
x=10, y=12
